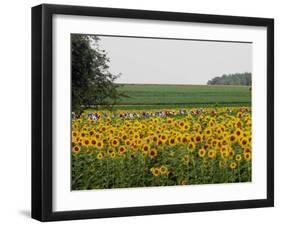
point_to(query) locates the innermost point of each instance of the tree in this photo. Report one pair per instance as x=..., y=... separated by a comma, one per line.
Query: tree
x=244, y=79
x=92, y=83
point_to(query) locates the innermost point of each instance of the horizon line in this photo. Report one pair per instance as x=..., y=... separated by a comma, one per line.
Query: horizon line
x=175, y=84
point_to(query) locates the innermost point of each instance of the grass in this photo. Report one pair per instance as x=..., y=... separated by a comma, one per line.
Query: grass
x=156, y=96
x=159, y=96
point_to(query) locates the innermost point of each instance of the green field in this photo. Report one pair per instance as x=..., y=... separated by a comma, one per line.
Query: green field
x=151, y=95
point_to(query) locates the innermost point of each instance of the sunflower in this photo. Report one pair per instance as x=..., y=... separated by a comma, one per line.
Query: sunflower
x=239, y=114
x=155, y=139
x=144, y=154
x=181, y=124
x=145, y=148
x=191, y=146
x=211, y=153
x=247, y=156
x=76, y=139
x=139, y=142
x=186, y=126
x=103, y=129
x=219, y=138
x=219, y=144
x=93, y=142
x=238, y=157
x=122, y=150
x=100, y=156
x=111, y=131
x=115, y=142
x=76, y=149
x=110, y=150
x=224, y=148
x=231, y=152
x=238, y=124
x=238, y=132
x=170, y=121
x=233, y=165
x=172, y=141
x=247, y=149
x=224, y=142
x=202, y=152
x=184, y=139
x=244, y=142
x=124, y=137
x=152, y=153
x=163, y=137
x=86, y=142
x=128, y=142
x=250, y=138
x=208, y=132
x=198, y=138
x=100, y=144
x=214, y=143
x=74, y=134
x=224, y=154
x=136, y=136
x=74, y=126
x=155, y=171
x=219, y=131
x=83, y=134
x=229, y=125
x=98, y=136
x=159, y=142
x=113, y=154
x=163, y=170
x=211, y=123
x=148, y=140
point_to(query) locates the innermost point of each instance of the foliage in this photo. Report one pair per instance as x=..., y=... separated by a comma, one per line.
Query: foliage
x=244, y=79
x=92, y=83
x=204, y=146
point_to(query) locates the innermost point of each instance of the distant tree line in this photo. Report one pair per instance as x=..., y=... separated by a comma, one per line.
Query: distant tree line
x=244, y=79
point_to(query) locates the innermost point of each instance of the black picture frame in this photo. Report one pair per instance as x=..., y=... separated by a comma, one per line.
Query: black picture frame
x=42, y=111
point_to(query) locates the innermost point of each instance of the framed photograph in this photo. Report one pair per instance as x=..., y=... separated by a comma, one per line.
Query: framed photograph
x=145, y=112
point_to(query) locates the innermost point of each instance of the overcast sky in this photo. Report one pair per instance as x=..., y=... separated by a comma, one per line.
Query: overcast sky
x=143, y=60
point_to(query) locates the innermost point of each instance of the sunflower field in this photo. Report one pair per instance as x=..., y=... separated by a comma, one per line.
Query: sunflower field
x=123, y=149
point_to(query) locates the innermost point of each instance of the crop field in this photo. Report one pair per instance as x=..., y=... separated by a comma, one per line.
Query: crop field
x=161, y=148
x=162, y=135
x=184, y=95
